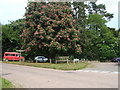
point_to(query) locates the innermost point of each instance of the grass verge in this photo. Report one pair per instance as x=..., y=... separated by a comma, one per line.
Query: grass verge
x=5, y=83
x=60, y=66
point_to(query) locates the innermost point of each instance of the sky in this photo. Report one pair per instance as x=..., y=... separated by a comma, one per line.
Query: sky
x=14, y=9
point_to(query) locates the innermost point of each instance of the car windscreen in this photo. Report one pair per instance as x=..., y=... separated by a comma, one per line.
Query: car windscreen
x=41, y=57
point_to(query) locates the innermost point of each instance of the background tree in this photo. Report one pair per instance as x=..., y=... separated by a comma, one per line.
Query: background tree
x=100, y=9
x=99, y=40
x=116, y=35
x=79, y=13
x=11, y=35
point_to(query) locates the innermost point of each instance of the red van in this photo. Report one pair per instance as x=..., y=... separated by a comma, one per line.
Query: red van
x=12, y=56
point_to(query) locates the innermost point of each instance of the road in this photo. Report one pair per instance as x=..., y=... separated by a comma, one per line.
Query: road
x=33, y=77
x=106, y=66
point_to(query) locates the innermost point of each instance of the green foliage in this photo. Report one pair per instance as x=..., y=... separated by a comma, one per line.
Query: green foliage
x=79, y=14
x=98, y=42
x=106, y=52
x=11, y=35
x=100, y=9
x=5, y=83
x=96, y=37
x=8, y=40
x=96, y=21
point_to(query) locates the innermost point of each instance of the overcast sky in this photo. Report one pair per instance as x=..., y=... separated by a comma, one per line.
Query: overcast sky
x=14, y=9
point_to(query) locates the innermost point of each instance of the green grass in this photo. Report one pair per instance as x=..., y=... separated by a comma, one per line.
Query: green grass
x=59, y=66
x=5, y=83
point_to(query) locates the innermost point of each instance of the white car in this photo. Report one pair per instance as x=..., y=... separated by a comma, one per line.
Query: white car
x=41, y=59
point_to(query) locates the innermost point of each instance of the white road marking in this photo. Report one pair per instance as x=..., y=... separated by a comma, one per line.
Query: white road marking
x=95, y=71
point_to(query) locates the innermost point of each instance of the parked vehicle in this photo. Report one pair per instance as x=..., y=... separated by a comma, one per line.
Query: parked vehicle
x=41, y=59
x=12, y=56
x=116, y=60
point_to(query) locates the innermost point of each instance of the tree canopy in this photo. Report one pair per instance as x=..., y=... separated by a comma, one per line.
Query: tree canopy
x=50, y=28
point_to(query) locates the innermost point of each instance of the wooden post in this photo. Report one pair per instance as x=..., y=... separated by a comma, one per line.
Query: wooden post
x=20, y=53
x=36, y=61
x=23, y=60
x=20, y=56
x=56, y=61
x=73, y=61
x=13, y=59
x=67, y=61
x=50, y=60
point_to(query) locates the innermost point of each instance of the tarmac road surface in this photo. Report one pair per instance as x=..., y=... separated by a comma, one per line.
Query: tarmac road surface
x=33, y=77
x=106, y=66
